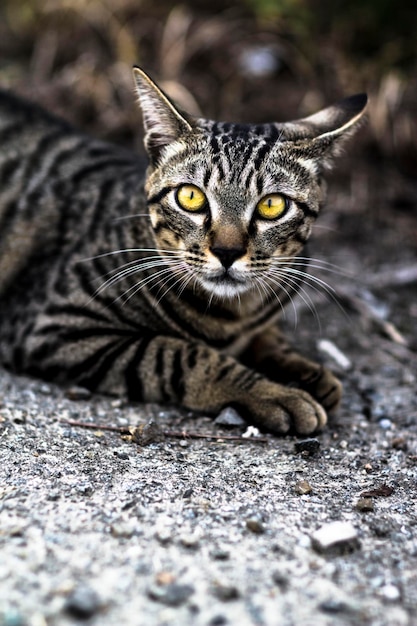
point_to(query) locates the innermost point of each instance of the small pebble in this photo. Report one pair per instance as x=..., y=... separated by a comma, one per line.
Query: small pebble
x=251, y=431
x=307, y=447
x=303, y=488
x=280, y=579
x=399, y=443
x=165, y=578
x=190, y=541
x=333, y=605
x=385, y=423
x=53, y=495
x=335, y=536
x=77, y=393
x=390, y=592
x=254, y=524
x=147, y=433
x=173, y=594
x=121, y=454
x=163, y=535
x=85, y=489
x=226, y=592
x=218, y=620
x=220, y=554
x=83, y=603
x=328, y=348
x=45, y=390
x=123, y=529
x=229, y=417
x=364, y=505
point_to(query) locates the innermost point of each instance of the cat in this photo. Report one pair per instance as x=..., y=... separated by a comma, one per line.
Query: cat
x=163, y=276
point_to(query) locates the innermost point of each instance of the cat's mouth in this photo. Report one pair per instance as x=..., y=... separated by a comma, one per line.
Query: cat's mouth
x=226, y=284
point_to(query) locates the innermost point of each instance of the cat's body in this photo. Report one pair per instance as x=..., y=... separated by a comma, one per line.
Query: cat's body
x=170, y=294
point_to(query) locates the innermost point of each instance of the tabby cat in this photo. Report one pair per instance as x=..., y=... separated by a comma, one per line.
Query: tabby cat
x=163, y=278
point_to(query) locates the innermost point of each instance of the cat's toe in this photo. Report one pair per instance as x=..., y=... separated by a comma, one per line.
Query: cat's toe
x=326, y=389
x=308, y=416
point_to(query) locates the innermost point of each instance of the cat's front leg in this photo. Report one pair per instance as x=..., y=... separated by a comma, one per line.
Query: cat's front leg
x=272, y=355
x=201, y=378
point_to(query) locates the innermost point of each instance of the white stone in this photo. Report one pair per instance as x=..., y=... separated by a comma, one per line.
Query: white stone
x=390, y=592
x=334, y=534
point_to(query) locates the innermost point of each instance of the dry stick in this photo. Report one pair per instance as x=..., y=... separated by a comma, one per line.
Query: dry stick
x=361, y=308
x=397, y=277
x=124, y=430
x=367, y=313
x=118, y=429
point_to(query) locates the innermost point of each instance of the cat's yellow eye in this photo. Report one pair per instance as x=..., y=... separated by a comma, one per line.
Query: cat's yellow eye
x=191, y=198
x=272, y=206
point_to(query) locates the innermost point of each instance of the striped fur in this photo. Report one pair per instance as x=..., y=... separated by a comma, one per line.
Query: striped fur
x=107, y=282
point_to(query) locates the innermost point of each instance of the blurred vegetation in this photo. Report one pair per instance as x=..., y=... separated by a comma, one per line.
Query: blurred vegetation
x=372, y=31
x=245, y=60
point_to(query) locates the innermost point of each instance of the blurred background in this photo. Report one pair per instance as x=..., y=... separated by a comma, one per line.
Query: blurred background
x=240, y=60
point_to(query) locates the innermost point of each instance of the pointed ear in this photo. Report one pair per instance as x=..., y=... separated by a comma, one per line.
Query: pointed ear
x=162, y=121
x=338, y=118
x=323, y=134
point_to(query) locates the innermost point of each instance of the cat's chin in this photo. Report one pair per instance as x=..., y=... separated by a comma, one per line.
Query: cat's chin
x=225, y=288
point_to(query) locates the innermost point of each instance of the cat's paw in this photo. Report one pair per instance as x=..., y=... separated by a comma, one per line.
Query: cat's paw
x=324, y=387
x=281, y=410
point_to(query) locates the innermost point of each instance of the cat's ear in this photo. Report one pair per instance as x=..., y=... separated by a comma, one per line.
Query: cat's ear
x=162, y=121
x=323, y=134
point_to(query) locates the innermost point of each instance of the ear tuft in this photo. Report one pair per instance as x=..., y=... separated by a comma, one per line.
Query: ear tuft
x=162, y=121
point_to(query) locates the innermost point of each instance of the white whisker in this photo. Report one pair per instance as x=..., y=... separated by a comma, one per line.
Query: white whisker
x=300, y=291
x=132, y=291
x=319, y=285
x=312, y=262
x=160, y=251
x=266, y=284
x=184, y=272
x=130, y=217
x=128, y=271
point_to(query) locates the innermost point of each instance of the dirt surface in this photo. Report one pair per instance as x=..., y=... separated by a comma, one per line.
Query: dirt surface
x=176, y=530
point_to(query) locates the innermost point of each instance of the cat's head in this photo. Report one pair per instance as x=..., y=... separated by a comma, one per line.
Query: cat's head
x=228, y=202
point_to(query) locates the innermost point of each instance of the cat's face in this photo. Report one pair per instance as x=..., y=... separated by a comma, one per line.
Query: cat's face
x=231, y=205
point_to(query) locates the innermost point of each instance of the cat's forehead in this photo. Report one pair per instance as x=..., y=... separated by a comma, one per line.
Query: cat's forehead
x=228, y=132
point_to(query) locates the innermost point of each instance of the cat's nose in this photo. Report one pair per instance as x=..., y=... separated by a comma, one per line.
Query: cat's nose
x=227, y=256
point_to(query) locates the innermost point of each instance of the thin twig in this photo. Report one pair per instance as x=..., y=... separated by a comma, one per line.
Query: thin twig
x=368, y=314
x=127, y=430
x=124, y=430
